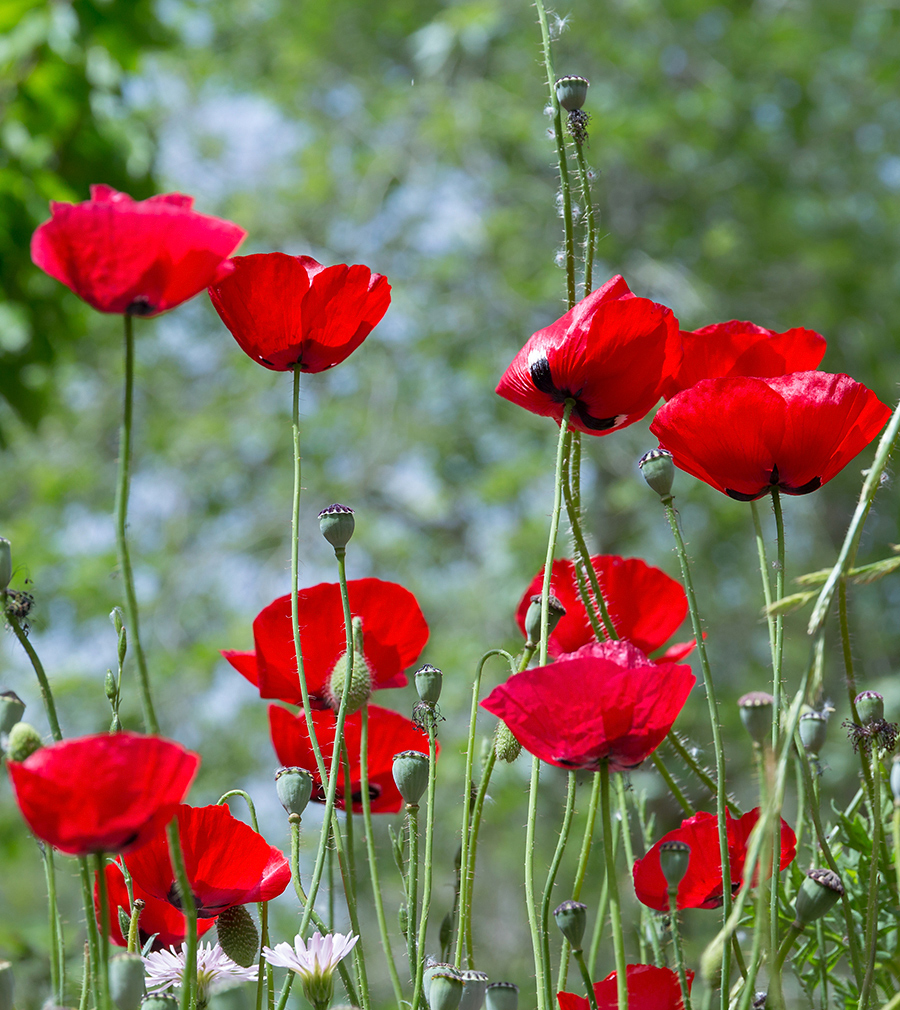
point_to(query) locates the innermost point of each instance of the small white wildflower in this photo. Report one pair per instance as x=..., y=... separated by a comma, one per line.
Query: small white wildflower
x=314, y=963
x=215, y=969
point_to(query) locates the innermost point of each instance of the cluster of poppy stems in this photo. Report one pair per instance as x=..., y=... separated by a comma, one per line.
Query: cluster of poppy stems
x=746, y=410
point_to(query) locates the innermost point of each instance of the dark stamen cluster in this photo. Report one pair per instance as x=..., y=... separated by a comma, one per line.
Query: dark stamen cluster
x=878, y=733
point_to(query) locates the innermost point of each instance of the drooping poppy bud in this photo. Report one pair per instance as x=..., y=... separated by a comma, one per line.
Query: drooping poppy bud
x=555, y=612
x=674, y=859
x=126, y=981
x=12, y=708
x=502, y=996
x=571, y=917
x=238, y=935
x=756, y=714
x=337, y=524
x=474, y=987
x=813, y=728
x=23, y=741
x=869, y=706
x=817, y=894
x=658, y=470
x=294, y=787
x=410, y=772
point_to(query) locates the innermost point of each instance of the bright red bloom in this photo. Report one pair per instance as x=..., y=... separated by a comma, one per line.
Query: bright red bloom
x=611, y=354
x=104, y=793
x=644, y=604
x=724, y=350
x=393, y=629
x=701, y=886
x=649, y=988
x=746, y=436
x=389, y=733
x=136, y=256
x=290, y=310
x=227, y=862
x=606, y=702
x=158, y=917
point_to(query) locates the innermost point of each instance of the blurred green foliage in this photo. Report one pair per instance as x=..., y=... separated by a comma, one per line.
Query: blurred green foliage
x=747, y=160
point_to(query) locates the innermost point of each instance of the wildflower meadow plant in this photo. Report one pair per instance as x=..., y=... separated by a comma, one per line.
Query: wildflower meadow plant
x=733, y=909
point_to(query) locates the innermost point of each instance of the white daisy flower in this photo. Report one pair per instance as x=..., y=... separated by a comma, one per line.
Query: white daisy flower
x=314, y=962
x=215, y=970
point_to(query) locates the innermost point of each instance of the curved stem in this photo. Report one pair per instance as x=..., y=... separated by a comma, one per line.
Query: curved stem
x=586, y=978
x=473, y=852
x=38, y=667
x=614, y=905
x=122, y=489
x=551, y=880
x=246, y=797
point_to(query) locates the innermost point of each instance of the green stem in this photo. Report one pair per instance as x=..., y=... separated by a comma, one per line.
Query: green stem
x=764, y=572
x=787, y=943
x=477, y=811
x=537, y=943
x=777, y=689
x=551, y=880
x=246, y=797
x=554, y=530
x=721, y=799
x=46, y=693
x=872, y=900
x=676, y=792
x=602, y=904
x=103, y=897
x=679, y=952
x=122, y=489
x=371, y=854
x=412, y=889
x=614, y=905
x=86, y=974
x=57, y=942
x=589, y=213
x=648, y=924
x=92, y=932
x=189, y=908
x=693, y=765
x=429, y=852
x=586, y=978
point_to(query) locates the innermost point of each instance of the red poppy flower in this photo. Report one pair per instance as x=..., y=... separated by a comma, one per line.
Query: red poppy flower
x=159, y=918
x=136, y=256
x=608, y=702
x=290, y=310
x=746, y=436
x=724, y=350
x=644, y=604
x=649, y=988
x=389, y=733
x=701, y=886
x=227, y=862
x=105, y=793
x=393, y=629
x=610, y=354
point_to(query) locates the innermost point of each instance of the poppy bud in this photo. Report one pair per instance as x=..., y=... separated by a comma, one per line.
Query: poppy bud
x=429, y=681
x=555, y=612
x=869, y=706
x=109, y=686
x=445, y=990
x=124, y=922
x=658, y=471
x=674, y=858
x=294, y=787
x=895, y=779
x=337, y=525
x=506, y=746
x=410, y=772
x=571, y=92
x=502, y=996
x=126, y=980
x=5, y=563
x=160, y=1001
x=819, y=891
x=571, y=917
x=238, y=935
x=813, y=728
x=756, y=714
x=474, y=986
x=403, y=919
x=22, y=742
x=12, y=708
x=7, y=984
x=358, y=684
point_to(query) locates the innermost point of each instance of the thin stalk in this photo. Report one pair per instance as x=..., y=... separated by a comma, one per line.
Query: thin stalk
x=412, y=889
x=134, y=936
x=189, y=908
x=589, y=213
x=648, y=926
x=554, y=529
x=676, y=792
x=777, y=688
x=537, y=940
x=122, y=488
x=46, y=693
x=368, y=828
x=721, y=799
x=872, y=901
x=103, y=897
x=551, y=880
x=477, y=811
x=429, y=854
x=57, y=943
x=602, y=905
x=584, y=557
x=613, y=884
x=86, y=974
x=787, y=943
x=694, y=766
x=764, y=572
x=244, y=796
x=93, y=935
x=679, y=952
x=586, y=978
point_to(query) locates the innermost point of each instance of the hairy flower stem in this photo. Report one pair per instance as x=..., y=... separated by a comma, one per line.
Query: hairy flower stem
x=679, y=952
x=368, y=829
x=871, y=946
x=93, y=933
x=428, y=855
x=721, y=798
x=477, y=810
x=562, y=159
x=57, y=938
x=613, y=884
x=551, y=880
x=122, y=488
x=189, y=908
x=589, y=240
x=586, y=978
x=86, y=974
x=648, y=923
x=777, y=690
x=464, y=922
x=678, y=745
x=669, y=780
x=412, y=889
x=602, y=905
x=38, y=667
x=764, y=572
x=103, y=897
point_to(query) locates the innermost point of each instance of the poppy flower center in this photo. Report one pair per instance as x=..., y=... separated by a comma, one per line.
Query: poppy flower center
x=141, y=306
x=543, y=382
x=174, y=898
x=775, y=481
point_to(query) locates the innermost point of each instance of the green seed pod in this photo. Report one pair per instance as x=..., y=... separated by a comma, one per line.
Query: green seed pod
x=555, y=610
x=22, y=742
x=110, y=686
x=433, y=968
x=12, y=708
x=7, y=985
x=294, y=787
x=429, y=681
x=337, y=525
x=571, y=917
x=571, y=92
x=756, y=714
x=870, y=706
x=359, y=687
x=445, y=990
x=506, y=746
x=410, y=772
x=403, y=919
x=658, y=470
x=817, y=894
x=502, y=996
x=238, y=935
x=124, y=922
x=5, y=563
x=126, y=980
x=160, y=1001
x=674, y=858
x=474, y=987
x=813, y=728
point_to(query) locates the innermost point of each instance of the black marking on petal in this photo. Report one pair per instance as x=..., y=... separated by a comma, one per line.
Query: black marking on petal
x=594, y=423
x=807, y=488
x=140, y=306
x=742, y=496
x=541, y=377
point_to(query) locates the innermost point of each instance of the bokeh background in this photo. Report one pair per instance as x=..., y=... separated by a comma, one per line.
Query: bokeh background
x=747, y=165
